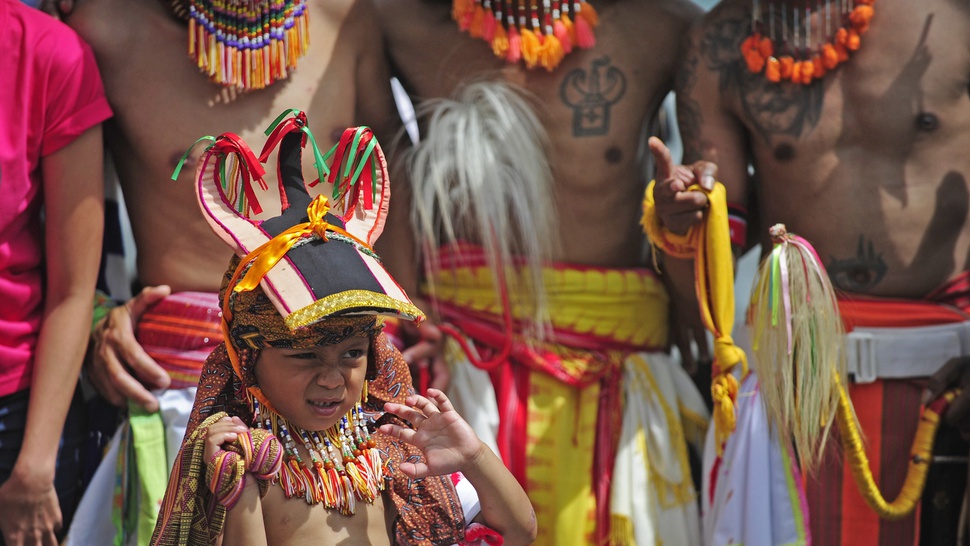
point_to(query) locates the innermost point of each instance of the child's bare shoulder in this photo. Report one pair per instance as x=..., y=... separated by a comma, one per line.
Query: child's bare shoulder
x=293, y=521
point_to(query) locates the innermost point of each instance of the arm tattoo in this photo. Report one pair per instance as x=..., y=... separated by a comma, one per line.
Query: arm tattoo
x=770, y=108
x=591, y=93
x=689, y=117
x=859, y=273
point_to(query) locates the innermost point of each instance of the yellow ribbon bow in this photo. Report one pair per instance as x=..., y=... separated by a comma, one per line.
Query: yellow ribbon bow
x=270, y=253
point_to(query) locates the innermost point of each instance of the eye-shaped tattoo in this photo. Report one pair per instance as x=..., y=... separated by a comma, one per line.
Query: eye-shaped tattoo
x=861, y=272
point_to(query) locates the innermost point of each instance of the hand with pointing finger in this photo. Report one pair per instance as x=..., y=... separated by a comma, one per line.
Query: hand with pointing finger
x=678, y=208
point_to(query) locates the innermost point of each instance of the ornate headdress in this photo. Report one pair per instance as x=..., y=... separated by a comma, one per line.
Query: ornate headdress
x=537, y=35
x=247, y=44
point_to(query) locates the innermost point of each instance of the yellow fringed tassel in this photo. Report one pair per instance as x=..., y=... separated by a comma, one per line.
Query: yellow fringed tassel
x=724, y=391
x=570, y=28
x=500, y=43
x=621, y=531
x=306, y=31
x=192, y=37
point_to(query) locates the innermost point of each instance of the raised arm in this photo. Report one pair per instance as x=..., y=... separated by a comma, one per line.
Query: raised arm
x=397, y=247
x=706, y=87
x=450, y=445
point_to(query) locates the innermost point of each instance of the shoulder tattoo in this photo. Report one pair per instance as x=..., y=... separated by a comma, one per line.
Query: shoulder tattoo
x=769, y=108
x=689, y=117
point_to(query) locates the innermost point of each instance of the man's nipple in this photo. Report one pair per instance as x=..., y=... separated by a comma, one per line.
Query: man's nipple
x=927, y=122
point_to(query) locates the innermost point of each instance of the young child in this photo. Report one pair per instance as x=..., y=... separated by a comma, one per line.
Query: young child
x=305, y=428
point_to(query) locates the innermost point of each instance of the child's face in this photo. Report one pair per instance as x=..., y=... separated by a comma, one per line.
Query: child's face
x=313, y=388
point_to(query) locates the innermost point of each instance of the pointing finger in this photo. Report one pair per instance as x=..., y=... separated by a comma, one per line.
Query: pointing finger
x=661, y=156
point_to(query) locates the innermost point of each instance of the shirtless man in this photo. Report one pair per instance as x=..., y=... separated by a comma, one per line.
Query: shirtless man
x=163, y=104
x=595, y=108
x=866, y=163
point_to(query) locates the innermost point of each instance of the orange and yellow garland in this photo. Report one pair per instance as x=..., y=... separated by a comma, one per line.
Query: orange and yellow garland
x=760, y=54
x=538, y=36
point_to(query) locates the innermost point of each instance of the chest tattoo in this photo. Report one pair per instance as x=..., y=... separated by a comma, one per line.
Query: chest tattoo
x=770, y=109
x=859, y=273
x=591, y=94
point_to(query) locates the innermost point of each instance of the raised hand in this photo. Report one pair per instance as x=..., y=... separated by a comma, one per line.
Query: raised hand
x=448, y=442
x=678, y=208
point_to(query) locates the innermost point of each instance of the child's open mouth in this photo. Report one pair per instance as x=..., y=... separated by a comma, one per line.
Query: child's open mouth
x=324, y=407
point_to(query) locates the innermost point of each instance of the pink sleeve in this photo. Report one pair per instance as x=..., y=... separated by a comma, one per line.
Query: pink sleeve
x=74, y=100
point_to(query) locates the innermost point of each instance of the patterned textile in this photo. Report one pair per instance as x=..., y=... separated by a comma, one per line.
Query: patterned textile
x=560, y=401
x=179, y=332
x=888, y=412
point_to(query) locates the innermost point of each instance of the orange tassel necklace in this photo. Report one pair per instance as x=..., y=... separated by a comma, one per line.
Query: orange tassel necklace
x=536, y=35
x=785, y=45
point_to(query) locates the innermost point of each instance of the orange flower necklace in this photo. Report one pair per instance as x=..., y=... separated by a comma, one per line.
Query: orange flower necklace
x=803, y=52
x=538, y=36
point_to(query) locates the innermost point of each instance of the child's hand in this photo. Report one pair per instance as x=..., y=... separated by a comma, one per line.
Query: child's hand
x=448, y=442
x=224, y=431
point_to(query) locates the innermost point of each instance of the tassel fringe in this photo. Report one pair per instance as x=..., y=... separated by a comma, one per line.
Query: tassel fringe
x=538, y=36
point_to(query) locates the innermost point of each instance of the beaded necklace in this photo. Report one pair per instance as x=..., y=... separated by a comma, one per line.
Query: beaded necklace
x=344, y=463
x=786, y=46
x=246, y=44
x=538, y=36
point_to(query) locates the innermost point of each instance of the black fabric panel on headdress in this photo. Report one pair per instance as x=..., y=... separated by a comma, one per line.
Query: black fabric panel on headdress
x=328, y=267
x=290, y=158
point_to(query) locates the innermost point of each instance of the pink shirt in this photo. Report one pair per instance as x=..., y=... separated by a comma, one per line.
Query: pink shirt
x=50, y=93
